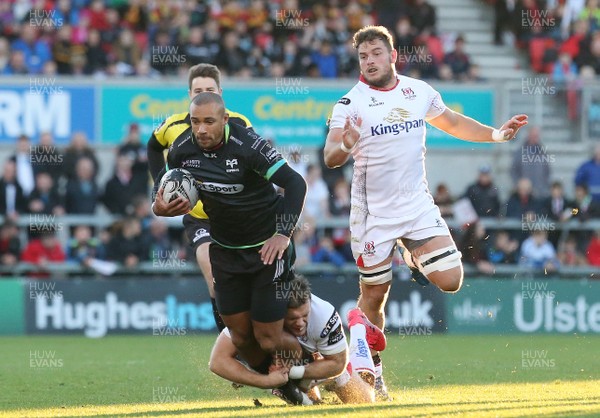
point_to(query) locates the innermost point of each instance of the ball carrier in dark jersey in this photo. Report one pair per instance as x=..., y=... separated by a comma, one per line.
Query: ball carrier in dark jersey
x=201, y=78
x=250, y=254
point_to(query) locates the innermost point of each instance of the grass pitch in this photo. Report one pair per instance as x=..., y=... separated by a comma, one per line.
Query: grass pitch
x=476, y=376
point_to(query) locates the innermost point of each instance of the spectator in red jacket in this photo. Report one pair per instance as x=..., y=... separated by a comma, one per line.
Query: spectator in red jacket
x=42, y=251
x=572, y=45
x=593, y=250
x=97, y=15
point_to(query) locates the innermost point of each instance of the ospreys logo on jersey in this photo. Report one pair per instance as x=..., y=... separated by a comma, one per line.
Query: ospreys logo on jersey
x=232, y=163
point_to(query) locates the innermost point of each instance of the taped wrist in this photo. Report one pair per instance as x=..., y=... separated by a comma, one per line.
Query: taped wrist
x=345, y=148
x=297, y=372
x=498, y=136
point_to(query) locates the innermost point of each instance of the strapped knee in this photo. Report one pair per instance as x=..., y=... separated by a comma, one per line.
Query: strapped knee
x=440, y=260
x=378, y=275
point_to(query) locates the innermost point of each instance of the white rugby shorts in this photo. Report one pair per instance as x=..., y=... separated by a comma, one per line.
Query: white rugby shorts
x=373, y=238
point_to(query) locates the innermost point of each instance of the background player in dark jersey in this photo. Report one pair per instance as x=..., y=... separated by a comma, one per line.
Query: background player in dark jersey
x=250, y=251
x=201, y=78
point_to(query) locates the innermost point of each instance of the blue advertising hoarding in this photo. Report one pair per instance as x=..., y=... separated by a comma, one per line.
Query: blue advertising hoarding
x=148, y=107
x=288, y=114
x=44, y=105
x=289, y=111
x=285, y=118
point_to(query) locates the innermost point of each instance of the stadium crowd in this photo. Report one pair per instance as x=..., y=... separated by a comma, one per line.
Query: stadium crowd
x=244, y=38
x=42, y=182
x=256, y=38
x=561, y=38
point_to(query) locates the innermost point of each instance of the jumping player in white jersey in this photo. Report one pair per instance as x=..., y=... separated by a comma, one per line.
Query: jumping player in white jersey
x=381, y=123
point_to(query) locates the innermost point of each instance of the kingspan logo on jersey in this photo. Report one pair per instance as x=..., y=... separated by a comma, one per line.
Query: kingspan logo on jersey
x=220, y=187
x=398, y=122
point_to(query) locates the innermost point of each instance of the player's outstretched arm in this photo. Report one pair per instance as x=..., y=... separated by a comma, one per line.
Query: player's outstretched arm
x=340, y=142
x=223, y=363
x=468, y=129
x=329, y=366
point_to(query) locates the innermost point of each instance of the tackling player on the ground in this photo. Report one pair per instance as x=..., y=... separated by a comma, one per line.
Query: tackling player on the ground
x=201, y=78
x=381, y=123
x=318, y=327
x=250, y=252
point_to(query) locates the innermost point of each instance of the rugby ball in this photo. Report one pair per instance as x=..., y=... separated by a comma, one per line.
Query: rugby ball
x=179, y=182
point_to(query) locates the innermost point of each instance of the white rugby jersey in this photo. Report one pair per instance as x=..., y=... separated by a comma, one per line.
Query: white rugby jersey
x=389, y=158
x=324, y=333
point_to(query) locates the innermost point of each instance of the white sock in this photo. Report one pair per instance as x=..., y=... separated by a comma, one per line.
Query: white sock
x=378, y=369
x=343, y=379
x=360, y=355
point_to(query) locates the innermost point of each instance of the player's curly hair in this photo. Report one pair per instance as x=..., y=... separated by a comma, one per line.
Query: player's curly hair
x=300, y=290
x=371, y=33
x=206, y=71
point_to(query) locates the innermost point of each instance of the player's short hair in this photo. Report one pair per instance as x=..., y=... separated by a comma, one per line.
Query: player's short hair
x=371, y=33
x=207, y=97
x=300, y=291
x=204, y=70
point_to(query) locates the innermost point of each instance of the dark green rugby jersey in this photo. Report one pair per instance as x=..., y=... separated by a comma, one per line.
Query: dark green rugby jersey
x=233, y=182
x=179, y=126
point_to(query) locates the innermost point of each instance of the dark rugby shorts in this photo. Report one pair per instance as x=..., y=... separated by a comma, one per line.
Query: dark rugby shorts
x=243, y=283
x=197, y=230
